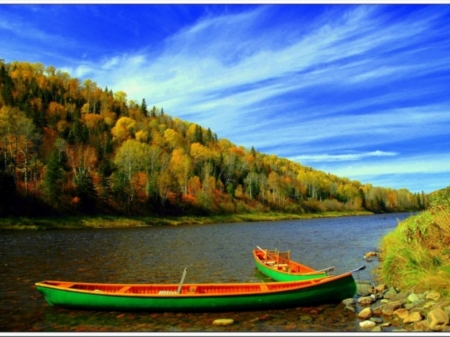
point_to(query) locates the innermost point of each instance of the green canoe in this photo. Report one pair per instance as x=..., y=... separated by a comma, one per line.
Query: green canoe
x=279, y=266
x=197, y=297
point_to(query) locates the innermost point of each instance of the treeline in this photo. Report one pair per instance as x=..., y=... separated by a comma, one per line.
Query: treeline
x=68, y=147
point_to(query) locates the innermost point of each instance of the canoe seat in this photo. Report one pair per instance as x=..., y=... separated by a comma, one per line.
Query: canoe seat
x=270, y=263
x=167, y=292
x=66, y=285
x=123, y=289
x=264, y=287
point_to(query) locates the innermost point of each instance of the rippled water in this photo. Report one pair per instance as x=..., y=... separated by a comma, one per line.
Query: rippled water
x=212, y=253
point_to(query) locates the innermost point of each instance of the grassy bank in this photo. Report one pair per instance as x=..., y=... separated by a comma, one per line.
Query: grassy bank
x=19, y=223
x=416, y=255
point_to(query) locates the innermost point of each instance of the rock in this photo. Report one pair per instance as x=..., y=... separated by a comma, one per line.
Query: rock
x=348, y=301
x=223, y=321
x=367, y=325
x=401, y=313
x=376, y=329
x=421, y=326
x=377, y=320
x=388, y=309
x=377, y=311
x=413, y=298
x=433, y=295
x=390, y=293
x=414, y=304
x=437, y=319
x=369, y=254
x=350, y=307
x=365, y=313
x=413, y=317
x=364, y=289
x=366, y=300
x=380, y=288
x=306, y=319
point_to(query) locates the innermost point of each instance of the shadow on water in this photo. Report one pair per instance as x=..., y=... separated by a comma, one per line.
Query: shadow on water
x=218, y=253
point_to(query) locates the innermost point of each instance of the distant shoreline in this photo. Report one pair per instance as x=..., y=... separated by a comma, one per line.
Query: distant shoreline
x=106, y=221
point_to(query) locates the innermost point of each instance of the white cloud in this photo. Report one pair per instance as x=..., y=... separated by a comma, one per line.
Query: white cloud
x=342, y=157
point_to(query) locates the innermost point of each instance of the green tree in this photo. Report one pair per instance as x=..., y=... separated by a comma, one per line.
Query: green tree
x=54, y=178
x=143, y=107
x=86, y=193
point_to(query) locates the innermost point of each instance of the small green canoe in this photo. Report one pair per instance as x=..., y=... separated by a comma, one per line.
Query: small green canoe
x=197, y=297
x=279, y=266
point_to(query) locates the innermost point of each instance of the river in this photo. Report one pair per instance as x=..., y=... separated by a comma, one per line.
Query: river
x=212, y=253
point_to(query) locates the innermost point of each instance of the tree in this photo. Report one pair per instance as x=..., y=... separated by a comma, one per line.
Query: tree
x=143, y=108
x=125, y=127
x=54, y=178
x=180, y=165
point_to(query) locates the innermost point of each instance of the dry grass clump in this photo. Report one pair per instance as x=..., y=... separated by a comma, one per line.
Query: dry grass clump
x=416, y=255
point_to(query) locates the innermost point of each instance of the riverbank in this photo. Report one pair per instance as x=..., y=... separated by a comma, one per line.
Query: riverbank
x=385, y=309
x=79, y=222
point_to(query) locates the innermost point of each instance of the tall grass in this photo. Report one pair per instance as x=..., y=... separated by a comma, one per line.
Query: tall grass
x=416, y=255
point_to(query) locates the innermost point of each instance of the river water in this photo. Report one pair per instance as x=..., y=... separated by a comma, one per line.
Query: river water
x=212, y=253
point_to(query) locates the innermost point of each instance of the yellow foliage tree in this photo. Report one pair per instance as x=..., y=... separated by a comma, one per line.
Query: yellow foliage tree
x=124, y=128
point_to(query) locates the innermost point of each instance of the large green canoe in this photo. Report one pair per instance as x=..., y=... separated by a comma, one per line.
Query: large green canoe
x=197, y=297
x=279, y=266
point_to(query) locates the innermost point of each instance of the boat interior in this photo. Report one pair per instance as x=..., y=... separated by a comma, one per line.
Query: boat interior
x=172, y=289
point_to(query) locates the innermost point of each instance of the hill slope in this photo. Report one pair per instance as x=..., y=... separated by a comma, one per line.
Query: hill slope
x=68, y=147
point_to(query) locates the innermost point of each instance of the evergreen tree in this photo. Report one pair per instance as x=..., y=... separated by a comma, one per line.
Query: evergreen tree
x=54, y=177
x=86, y=193
x=143, y=108
x=198, y=134
x=6, y=87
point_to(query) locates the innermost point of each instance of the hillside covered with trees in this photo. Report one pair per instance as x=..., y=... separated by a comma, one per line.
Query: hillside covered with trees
x=69, y=147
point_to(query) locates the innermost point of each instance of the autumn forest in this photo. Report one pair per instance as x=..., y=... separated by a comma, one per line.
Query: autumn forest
x=69, y=147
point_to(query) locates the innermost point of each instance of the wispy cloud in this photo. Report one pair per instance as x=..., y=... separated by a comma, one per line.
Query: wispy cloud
x=342, y=157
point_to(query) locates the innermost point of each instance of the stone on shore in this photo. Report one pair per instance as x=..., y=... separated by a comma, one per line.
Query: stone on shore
x=433, y=295
x=367, y=325
x=413, y=298
x=365, y=313
x=366, y=300
x=364, y=288
x=390, y=293
x=223, y=321
x=349, y=301
x=401, y=313
x=437, y=319
x=388, y=309
x=413, y=317
x=421, y=326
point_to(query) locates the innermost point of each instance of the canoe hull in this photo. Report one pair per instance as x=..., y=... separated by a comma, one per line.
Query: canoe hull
x=287, y=277
x=326, y=292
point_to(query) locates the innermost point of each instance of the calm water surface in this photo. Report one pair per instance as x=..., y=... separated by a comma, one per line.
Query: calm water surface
x=212, y=253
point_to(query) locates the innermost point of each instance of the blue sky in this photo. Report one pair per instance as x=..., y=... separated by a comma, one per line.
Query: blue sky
x=360, y=91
